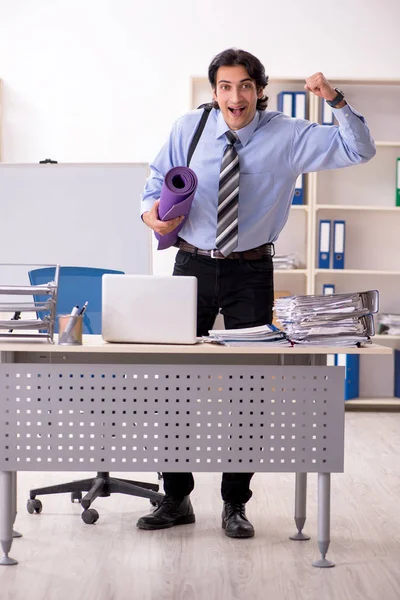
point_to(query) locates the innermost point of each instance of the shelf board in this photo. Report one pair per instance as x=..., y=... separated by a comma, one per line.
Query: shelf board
x=358, y=207
x=290, y=271
x=372, y=81
x=375, y=404
x=393, y=144
x=354, y=272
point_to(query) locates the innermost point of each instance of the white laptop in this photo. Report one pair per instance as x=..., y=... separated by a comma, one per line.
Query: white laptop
x=149, y=309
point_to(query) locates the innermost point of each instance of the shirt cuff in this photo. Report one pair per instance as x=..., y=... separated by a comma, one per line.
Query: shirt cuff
x=146, y=206
x=343, y=115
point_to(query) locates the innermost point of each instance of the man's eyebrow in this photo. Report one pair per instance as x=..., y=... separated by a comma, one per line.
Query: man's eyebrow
x=241, y=81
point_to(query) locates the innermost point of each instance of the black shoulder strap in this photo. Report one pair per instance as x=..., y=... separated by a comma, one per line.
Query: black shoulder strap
x=206, y=111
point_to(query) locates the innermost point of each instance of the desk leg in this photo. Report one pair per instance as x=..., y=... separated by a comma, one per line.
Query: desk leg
x=6, y=516
x=324, y=519
x=300, y=508
x=16, y=534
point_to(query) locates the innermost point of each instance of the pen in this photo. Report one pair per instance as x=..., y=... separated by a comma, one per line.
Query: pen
x=83, y=308
x=70, y=324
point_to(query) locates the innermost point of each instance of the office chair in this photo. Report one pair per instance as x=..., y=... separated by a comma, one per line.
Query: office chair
x=76, y=286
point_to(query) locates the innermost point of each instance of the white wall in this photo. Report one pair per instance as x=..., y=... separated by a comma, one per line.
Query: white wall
x=102, y=80
x=98, y=80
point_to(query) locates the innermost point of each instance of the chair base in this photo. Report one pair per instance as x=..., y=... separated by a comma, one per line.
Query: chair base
x=101, y=486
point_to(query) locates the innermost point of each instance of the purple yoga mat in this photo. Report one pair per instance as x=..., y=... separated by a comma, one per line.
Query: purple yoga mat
x=176, y=198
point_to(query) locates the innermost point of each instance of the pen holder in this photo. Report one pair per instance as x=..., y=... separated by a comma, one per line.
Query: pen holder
x=70, y=330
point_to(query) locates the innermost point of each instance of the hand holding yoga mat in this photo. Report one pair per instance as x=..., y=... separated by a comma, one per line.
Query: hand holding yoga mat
x=176, y=198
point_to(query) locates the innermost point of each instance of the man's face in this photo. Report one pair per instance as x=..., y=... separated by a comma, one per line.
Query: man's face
x=236, y=94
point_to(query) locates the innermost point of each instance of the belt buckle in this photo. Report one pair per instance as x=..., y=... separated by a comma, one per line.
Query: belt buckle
x=216, y=257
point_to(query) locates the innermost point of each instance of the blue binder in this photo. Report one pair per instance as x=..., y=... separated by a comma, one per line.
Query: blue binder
x=327, y=114
x=397, y=373
x=339, y=231
x=324, y=245
x=292, y=104
x=285, y=103
x=328, y=288
x=298, y=196
x=352, y=374
x=299, y=105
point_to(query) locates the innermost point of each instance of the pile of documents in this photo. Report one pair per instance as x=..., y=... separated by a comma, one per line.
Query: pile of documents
x=249, y=336
x=388, y=324
x=286, y=261
x=328, y=320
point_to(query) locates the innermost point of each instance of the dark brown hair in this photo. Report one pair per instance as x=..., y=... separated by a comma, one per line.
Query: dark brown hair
x=233, y=57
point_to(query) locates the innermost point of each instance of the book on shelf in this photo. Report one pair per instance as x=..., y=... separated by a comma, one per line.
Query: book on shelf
x=398, y=183
x=397, y=373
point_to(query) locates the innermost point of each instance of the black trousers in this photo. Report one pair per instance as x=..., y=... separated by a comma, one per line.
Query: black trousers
x=244, y=291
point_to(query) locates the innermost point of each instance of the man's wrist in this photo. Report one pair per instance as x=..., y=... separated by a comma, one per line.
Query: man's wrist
x=341, y=104
x=331, y=96
x=337, y=100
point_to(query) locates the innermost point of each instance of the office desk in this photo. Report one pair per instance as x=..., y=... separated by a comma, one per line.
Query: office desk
x=127, y=407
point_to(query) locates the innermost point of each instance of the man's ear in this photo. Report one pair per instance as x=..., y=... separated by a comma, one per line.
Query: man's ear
x=260, y=93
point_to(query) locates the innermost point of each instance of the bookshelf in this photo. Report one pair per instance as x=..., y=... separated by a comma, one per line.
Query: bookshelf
x=362, y=195
x=1, y=121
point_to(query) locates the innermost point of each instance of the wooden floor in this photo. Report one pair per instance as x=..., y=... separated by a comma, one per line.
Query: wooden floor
x=61, y=558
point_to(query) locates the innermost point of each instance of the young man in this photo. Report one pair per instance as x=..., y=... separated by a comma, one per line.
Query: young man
x=247, y=161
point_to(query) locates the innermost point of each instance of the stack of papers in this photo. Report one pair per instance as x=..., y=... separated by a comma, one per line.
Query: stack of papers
x=286, y=261
x=249, y=336
x=328, y=320
x=389, y=324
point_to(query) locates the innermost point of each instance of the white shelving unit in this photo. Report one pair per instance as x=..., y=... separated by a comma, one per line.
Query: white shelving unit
x=362, y=195
x=1, y=121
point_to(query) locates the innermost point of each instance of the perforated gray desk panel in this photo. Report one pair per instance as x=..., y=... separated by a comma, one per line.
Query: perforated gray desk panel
x=171, y=417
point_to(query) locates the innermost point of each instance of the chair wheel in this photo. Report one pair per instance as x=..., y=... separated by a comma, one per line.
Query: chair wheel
x=34, y=506
x=90, y=516
x=76, y=496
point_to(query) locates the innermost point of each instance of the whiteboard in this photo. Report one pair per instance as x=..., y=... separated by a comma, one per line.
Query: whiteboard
x=74, y=215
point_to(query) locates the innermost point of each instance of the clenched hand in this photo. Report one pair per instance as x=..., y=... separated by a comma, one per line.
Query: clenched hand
x=320, y=86
x=161, y=227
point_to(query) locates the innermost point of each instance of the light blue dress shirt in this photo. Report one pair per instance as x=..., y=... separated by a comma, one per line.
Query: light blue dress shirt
x=273, y=150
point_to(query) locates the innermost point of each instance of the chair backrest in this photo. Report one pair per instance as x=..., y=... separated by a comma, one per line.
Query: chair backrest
x=76, y=286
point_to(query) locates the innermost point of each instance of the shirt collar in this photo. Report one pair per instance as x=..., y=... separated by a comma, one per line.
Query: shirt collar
x=243, y=134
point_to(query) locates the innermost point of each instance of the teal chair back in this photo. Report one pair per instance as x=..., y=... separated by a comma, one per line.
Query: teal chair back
x=76, y=286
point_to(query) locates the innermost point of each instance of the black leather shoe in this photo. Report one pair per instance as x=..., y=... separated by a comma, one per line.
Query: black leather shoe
x=169, y=513
x=235, y=522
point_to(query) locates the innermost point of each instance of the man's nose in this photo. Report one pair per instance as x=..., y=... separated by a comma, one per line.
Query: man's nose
x=236, y=94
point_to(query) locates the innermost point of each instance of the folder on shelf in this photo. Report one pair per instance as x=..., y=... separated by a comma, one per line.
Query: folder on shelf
x=299, y=105
x=292, y=104
x=285, y=103
x=397, y=373
x=398, y=183
x=298, y=196
x=324, y=246
x=352, y=374
x=331, y=360
x=328, y=288
x=339, y=230
x=327, y=114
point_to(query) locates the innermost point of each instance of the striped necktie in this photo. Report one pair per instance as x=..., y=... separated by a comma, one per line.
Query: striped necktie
x=228, y=198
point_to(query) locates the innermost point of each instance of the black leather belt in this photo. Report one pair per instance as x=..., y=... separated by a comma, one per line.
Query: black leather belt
x=253, y=254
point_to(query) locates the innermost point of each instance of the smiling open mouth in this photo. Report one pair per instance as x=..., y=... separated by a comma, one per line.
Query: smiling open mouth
x=236, y=111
